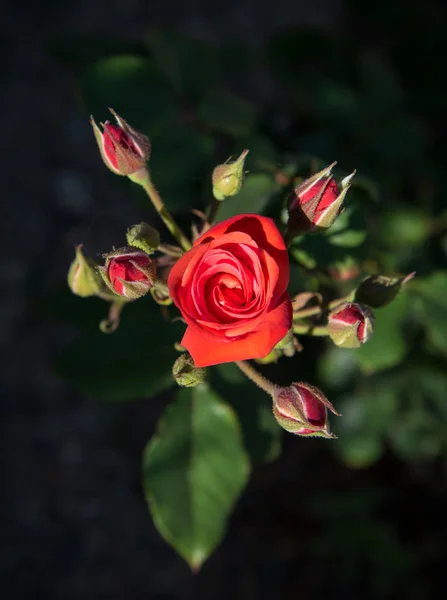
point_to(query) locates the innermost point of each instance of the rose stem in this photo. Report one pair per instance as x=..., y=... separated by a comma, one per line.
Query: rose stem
x=256, y=377
x=112, y=322
x=310, y=330
x=170, y=250
x=213, y=211
x=165, y=214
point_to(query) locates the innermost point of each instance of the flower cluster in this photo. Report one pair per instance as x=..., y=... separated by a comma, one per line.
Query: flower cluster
x=229, y=280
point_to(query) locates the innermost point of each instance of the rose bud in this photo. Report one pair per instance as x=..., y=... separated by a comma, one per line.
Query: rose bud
x=185, y=373
x=316, y=203
x=301, y=409
x=377, y=290
x=124, y=150
x=227, y=178
x=128, y=272
x=83, y=277
x=350, y=325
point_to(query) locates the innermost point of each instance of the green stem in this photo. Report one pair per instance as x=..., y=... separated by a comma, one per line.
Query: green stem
x=112, y=322
x=213, y=211
x=303, y=329
x=166, y=215
x=174, y=251
x=256, y=377
x=316, y=310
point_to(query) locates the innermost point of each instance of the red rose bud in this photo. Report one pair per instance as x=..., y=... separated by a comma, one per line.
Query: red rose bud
x=124, y=150
x=350, y=325
x=185, y=373
x=83, y=277
x=316, y=202
x=128, y=272
x=228, y=178
x=301, y=409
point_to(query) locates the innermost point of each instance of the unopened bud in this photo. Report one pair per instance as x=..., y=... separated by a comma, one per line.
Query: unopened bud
x=185, y=373
x=377, y=290
x=83, y=277
x=301, y=409
x=350, y=325
x=128, y=272
x=228, y=178
x=144, y=237
x=124, y=150
x=316, y=202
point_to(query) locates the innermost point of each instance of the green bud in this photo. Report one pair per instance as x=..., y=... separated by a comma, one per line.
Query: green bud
x=185, y=373
x=377, y=290
x=272, y=357
x=228, y=178
x=144, y=237
x=83, y=278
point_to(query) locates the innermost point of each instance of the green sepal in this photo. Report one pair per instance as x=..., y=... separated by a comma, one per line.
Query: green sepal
x=328, y=216
x=160, y=293
x=377, y=290
x=83, y=278
x=144, y=237
x=185, y=373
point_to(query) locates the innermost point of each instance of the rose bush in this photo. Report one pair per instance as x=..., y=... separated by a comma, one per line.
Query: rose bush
x=231, y=289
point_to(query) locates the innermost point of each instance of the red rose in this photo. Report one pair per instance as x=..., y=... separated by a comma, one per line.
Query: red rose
x=231, y=289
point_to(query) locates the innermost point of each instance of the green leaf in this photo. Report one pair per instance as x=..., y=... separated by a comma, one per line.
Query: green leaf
x=189, y=65
x=64, y=307
x=360, y=451
x=429, y=297
x=262, y=434
x=227, y=113
x=133, y=362
x=194, y=469
x=387, y=346
x=366, y=418
x=403, y=227
x=337, y=367
x=416, y=435
x=254, y=196
x=348, y=239
x=133, y=87
x=80, y=50
x=181, y=156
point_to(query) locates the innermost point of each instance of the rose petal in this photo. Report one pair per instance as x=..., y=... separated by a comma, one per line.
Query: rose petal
x=207, y=349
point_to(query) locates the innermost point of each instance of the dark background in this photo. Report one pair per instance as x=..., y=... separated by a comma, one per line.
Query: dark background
x=76, y=524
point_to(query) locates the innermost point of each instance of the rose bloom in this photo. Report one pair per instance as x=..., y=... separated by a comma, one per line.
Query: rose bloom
x=231, y=289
